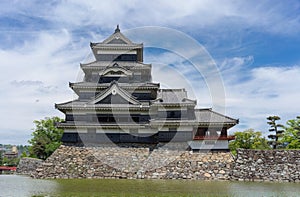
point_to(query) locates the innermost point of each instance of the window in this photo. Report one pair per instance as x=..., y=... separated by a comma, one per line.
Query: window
x=174, y=114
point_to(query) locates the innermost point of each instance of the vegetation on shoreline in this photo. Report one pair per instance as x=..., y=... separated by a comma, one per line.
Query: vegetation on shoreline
x=248, y=139
x=282, y=137
x=46, y=138
x=292, y=134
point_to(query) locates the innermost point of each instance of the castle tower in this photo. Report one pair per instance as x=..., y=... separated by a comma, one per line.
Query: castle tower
x=118, y=103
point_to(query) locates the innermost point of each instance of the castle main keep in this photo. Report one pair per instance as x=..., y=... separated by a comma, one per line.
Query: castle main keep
x=118, y=103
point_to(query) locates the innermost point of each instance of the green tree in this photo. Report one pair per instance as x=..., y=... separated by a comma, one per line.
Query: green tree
x=24, y=154
x=46, y=138
x=11, y=161
x=1, y=159
x=248, y=139
x=291, y=135
x=278, y=129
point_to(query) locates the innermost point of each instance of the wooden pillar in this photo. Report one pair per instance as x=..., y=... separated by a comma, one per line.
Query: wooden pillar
x=224, y=132
x=201, y=131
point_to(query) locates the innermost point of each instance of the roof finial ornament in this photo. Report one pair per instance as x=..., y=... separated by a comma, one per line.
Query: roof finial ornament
x=117, y=29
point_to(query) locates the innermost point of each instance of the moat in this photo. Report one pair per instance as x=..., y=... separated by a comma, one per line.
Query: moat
x=14, y=185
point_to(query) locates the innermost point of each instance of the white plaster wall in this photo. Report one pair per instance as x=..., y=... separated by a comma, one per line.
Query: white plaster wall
x=208, y=144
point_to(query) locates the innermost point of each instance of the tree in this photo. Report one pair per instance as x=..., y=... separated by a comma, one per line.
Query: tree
x=10, y=161
x=291, y=135
x=1, y=159
x=248, y=139
x=46, y=138
x=277, y=128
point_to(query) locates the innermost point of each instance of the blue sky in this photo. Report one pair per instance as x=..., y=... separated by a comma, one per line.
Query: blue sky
x=255, y=45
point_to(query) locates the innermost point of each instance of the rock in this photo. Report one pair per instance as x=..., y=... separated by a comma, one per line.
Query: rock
x=139, y=163
x=28, y=166
x=259, y=161
x=222, y=172
x=239, y=161
x=207, y=175
x=266, y=165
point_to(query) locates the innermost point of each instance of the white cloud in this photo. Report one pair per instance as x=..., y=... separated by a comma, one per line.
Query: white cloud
x=34, y=76
x=172, y=71
x=54, y=39
x=265, y=91
x=236, y=64
x=252, y=94
x=267, y=16
x=263, y=16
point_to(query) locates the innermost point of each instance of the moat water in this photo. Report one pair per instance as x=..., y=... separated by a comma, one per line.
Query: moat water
x=14, y=185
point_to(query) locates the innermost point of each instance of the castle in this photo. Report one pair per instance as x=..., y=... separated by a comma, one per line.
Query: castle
x=118, y=103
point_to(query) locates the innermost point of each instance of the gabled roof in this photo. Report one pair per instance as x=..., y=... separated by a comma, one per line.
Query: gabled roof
x=115, y=68
x=207, y=115
x=173, y=96
x=114, y=89
x=116, y=39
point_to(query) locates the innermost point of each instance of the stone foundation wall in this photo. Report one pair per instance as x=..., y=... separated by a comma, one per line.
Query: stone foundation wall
x=267, y=165
x=134, y=163
x=28, y=165
x=169, y=163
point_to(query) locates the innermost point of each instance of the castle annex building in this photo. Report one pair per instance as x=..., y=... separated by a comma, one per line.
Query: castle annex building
x=118, y=103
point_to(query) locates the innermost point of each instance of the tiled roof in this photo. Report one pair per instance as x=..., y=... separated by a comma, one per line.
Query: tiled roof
x=101, y=64
x=79, y=124
x=203, y=117
x=117, y=38
x=76, y=104
x=207, y=115
x=173, y=96
x=118, y=90
x=123, y=85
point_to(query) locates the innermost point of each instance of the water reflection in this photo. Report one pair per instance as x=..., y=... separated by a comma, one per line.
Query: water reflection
x=111, y=187
x=13, y=185
x=264, y=189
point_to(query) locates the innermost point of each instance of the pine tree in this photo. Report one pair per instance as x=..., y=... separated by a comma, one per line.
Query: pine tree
x=277, y=128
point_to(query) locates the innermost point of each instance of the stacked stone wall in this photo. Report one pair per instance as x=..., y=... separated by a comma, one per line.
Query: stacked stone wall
x=134, y=163
x=266, y=165
x=161, y=163
x=27, y=165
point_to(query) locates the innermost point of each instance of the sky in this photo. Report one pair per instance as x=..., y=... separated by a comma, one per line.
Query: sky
x=254, y=45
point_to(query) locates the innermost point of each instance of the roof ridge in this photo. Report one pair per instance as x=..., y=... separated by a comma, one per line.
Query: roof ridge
x=172, y=89
x=116, y=35
x=113, y=62
x=202, y=109
x=217, y=113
